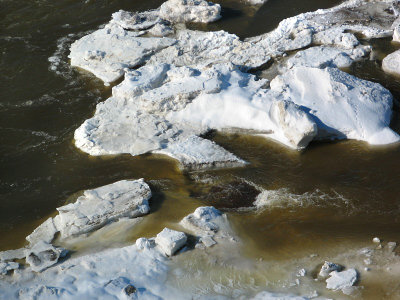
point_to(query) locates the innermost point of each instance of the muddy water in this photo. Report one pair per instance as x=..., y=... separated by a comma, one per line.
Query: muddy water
x=332, y=196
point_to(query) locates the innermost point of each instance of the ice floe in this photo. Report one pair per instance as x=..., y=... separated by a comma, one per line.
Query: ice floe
x=164, y=108
x=189, y=85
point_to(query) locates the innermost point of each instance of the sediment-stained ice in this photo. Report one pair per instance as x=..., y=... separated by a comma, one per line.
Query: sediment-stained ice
x=329, y=267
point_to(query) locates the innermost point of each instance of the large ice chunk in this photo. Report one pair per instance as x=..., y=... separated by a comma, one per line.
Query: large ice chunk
x=96, y=208
x=170, y=241
x=341, y=280
x=342, y=105
x=102, y=205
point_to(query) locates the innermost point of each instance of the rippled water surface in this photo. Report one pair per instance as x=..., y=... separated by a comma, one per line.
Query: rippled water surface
x=332, y=193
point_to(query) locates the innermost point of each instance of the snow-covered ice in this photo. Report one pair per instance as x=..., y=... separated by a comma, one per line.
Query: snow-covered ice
x=108, y=51
x=12, y=254
x=194, y=48
x=104, y=275
x=342, y=105
x=44, y=232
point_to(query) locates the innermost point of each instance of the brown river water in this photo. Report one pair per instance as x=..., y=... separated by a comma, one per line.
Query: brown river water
x=331, y=197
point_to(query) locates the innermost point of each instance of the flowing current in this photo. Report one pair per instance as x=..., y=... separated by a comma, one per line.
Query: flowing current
x=327, y=199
